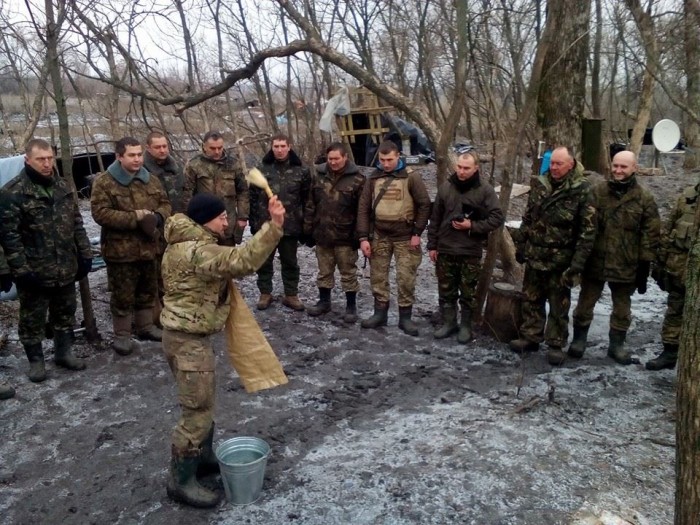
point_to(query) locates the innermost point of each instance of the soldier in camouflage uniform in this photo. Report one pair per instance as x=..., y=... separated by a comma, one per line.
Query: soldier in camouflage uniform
x=158, y=161
x=625, y=244
x=196, y=273
x=465, y=211
x=47, y=250
x=291, y=182
x=6, y=391
x=219, y=172
x=670, y=270
x=555, y=240
x=331, y=217
x=130, y=205
x=395, y=205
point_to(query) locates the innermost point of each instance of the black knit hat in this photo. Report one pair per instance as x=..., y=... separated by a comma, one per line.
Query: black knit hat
x=204, y=207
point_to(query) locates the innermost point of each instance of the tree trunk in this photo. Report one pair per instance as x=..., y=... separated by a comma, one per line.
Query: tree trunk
x=563, y=90
x=692, y=70
x=688, y=396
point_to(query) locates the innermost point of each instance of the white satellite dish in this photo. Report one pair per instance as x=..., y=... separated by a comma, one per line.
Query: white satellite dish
x=665, y=135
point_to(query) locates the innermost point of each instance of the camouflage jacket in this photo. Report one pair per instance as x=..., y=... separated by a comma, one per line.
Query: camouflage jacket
x=171, y=177
x=4, y=267
x=558, y=227
x=679, y=233
x=291, y=182
x=413, y=193
x=196, y=271
x=479, y=202
x=331, y=211
x=42, y=229
x=115, y=197
x=628, y=231
x=223, y=178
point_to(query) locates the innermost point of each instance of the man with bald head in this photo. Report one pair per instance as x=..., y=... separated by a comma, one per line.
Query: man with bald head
x=554, y=241
x=626, y=242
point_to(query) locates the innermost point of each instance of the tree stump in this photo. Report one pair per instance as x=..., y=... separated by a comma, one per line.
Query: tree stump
x=503, y=314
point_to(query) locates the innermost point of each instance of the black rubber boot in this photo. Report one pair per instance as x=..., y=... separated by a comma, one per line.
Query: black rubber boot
x=405, y=322
x=449, y=321
x=323, y=306
x=350, y=315
x=378, y=318
x=666, y=359
x=578, y=343
x=183, y=485
x=6, y=391
x=63, y=352
x=616, y=349
x=208, y=464
x=521, y=346
x=35, y=355
x=465, y=327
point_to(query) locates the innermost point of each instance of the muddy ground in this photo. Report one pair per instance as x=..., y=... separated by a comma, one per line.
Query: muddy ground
x=374, y=427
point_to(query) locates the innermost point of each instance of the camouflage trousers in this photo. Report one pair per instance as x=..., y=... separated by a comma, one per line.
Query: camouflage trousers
x=407, y=263
x=287, y=248
x=457, y=277
x=60, y=302
x=539, y=288
x=673, y=320
x=191, y=360
x=345, y=258
x=132, y=285
x=591, y=290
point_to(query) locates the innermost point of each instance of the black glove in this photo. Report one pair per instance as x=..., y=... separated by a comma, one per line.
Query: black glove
x=640, y=280
x=28, y=281
x=307, y=240
x=659, y=275
x=519, y=257
x=149, y=225
x=570, y=278
x=84, y=267
x=5, y=282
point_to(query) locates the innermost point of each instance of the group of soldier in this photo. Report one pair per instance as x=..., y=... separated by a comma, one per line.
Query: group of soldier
x=171, y=239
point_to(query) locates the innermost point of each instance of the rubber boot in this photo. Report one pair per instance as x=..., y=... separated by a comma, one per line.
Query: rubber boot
x=323, y=306
x=63, y=351
x=145, y=329
x=555, y=356
x=405, y=322
x=578, y=343
x=123, y=344
x=449, y=321
x=6, y=391
x=521, y=346
x=208, y=464
x=465, y=327
x=183, y=485
x=378, y=318
x=350, y=315
x=35, y=355
x=666, y=359
x=616, y=349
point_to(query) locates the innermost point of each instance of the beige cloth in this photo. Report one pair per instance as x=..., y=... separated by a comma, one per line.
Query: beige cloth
x=250, y=353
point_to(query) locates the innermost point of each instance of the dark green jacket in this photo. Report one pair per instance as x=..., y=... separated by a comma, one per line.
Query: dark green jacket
x=41, y=228
x=331, y=211
x=479, y=201
x=628, y=231
x=291, y=182
x=558, y=227
x=171, y=177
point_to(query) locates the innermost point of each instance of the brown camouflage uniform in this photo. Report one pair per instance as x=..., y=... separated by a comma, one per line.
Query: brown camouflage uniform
x=403, y=211
x=43, y=235
x=331, y=218
x=129, y=253
x=196, y=272
x=628, y=233
x=557, y=233
x=223, y=178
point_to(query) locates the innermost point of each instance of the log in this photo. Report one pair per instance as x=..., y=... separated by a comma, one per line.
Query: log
x=503, y=314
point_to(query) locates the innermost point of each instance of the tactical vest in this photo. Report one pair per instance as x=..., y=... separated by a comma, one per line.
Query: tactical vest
x=396, y=204
x=682, y=234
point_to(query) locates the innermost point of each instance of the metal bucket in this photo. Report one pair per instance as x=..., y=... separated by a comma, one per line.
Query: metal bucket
x=242, y=461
